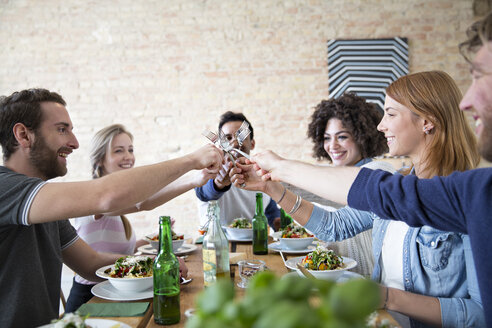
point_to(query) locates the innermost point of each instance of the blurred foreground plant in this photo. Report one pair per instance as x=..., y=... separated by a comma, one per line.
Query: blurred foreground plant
x=290, y=302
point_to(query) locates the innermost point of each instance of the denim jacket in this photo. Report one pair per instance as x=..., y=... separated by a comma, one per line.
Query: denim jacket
x=435, y=263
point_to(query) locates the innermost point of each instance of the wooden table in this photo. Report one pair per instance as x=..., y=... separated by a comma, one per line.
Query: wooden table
x=190, y=291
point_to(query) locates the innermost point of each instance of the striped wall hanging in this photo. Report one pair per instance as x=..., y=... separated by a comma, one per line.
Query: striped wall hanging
x=366, y=66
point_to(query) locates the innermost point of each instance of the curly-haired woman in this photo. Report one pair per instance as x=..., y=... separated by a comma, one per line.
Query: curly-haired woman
x=344, y=131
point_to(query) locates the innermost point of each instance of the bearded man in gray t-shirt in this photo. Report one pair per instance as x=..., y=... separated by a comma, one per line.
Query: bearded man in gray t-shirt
x=35, y=236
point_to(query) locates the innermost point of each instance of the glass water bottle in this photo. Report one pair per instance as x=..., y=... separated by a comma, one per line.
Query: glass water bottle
x=166, y=278
x=215, y=248
x=260, y=228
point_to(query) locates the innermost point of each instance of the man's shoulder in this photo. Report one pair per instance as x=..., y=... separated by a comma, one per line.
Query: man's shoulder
x=10, y=177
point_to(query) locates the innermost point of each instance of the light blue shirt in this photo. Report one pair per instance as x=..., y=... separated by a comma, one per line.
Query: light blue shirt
x=435, y=263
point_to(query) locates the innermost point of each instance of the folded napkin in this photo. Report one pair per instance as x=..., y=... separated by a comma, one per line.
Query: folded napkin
x=127, y=309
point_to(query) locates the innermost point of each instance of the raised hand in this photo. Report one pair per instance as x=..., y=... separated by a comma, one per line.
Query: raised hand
x=201, y=177
x=244, y=176
x=222, y=179
x=208, y=156
x=266, y=163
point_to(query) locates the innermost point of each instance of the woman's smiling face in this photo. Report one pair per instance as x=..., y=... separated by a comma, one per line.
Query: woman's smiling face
x=404, y=130
x=120, y=155
x=340, y=145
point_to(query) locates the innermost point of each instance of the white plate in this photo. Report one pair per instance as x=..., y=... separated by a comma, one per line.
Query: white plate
x=346, y=276
x=348, y=264
x=105, y=323
x=97, y=323
x=292, y=262
x=184, y=249
x=108, y=292
x=277, y=248
x=240, y=240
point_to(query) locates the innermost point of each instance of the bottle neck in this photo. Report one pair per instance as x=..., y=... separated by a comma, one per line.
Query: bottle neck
x=165, y=235
x=259, y=204
x=213, y=214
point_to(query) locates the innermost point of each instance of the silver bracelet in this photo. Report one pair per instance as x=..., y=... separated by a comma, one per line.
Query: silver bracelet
x=283, y=194
x=296, y=205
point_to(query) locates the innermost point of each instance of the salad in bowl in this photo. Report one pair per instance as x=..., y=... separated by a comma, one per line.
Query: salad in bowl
x=129, y=273
x=178, y=240
x=240, y=228
x=294, y=237
x=323, y=263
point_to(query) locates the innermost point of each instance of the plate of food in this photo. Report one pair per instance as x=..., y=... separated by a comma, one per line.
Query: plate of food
x=294, y=237
x=240, y=229
x=184, y=249
x=277, y=247
x=74, y=320
x=178, y=240
x=322, y=263
x=129, y=274
x=106, y=291
x=346, y=276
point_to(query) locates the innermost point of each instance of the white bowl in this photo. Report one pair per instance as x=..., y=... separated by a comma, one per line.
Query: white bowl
x=236, y=233
x=155, y=243
x=126, y=285
x=293, y=243
x=348, y=264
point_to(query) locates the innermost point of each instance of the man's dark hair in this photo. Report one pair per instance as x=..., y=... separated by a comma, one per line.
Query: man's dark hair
x=22, y=107
x=234, y=117
x=360, y=117
x=479, y=33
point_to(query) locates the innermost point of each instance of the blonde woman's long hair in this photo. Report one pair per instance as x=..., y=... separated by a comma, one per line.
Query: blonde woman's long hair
x=434, y=96
x=101, y=142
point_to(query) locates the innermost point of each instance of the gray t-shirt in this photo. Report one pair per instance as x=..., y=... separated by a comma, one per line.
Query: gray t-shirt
x=30, y=255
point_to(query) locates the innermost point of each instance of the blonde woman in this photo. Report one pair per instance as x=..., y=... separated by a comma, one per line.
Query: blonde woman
x=428, y=275
x=112, y=151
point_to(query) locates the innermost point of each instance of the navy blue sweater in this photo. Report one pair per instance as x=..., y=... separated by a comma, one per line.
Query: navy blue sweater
x=460, y=202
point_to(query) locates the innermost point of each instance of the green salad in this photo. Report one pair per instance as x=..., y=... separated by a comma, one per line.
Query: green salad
x=131, y=267
x=295, y=231
x=322, y=259
x=70, y=320
x=240, y=223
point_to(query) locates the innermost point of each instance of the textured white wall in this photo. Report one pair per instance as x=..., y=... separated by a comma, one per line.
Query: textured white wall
x=168, y=69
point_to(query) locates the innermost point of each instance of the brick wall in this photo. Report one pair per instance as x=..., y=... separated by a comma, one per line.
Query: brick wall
x=168, y=69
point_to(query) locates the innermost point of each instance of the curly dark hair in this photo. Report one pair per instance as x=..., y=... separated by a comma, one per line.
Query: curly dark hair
x=357, y=115
x=22, y=107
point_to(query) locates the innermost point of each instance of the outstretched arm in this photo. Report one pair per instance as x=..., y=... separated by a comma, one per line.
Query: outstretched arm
x=244, y=176
x=332, y=183
x=172, y=190
x=116, y=191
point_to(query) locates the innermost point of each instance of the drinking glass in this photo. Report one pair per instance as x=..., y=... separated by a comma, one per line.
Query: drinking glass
x=247, y=269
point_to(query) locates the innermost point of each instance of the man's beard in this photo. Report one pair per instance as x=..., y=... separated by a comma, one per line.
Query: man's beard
x=45, y=160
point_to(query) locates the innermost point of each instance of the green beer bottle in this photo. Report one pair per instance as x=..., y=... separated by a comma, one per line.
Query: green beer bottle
x=285, y=219
x=215, y=248
x=166, y=278
x=260, y=228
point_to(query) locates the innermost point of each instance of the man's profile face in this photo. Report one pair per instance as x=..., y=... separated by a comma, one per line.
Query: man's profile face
x=230, y=129
x=53, y=142
x=478, y=99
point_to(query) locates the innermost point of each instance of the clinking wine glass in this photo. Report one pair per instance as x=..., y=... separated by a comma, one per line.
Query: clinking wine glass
x=247, y=269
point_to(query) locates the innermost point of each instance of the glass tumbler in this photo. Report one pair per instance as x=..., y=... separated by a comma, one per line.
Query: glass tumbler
x=247, y=269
